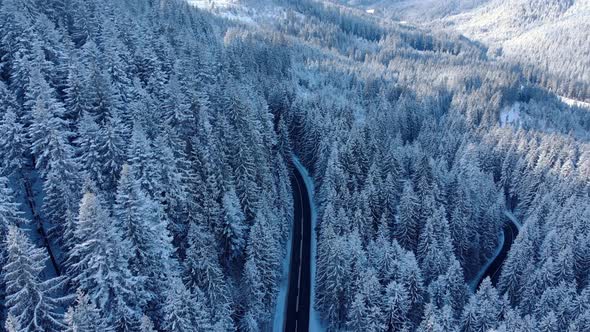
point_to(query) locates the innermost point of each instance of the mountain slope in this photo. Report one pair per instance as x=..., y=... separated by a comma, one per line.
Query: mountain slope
x=551, y=36
x=414, y=10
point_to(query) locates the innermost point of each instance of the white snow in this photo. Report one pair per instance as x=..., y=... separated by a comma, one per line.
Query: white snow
x=235, y=10
x=510, y=115
x=281, y=307
x=315, y=324
x=370, y=11
x=209, y=4
x=473, y=283
x=511, y=216
x=574, y=103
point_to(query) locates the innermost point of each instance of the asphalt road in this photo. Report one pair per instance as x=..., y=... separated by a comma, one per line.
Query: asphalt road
x=298, y=295
x=493, y=271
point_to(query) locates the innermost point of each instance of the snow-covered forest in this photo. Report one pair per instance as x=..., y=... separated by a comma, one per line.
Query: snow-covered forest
x=146, y=155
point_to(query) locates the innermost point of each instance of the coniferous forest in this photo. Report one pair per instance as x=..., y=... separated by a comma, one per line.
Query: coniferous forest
x=146, y=171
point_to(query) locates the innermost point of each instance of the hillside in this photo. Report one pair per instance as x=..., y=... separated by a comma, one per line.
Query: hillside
x=413, y=10
x=150, y=150
x=549, y=38
x=420, y=142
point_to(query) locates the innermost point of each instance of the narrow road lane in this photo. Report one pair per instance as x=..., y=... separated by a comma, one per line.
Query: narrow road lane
x=494, y=270
x=298, y=297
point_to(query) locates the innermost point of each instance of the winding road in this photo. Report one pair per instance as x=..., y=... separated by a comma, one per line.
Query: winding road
x=298, y=301
x=493, y=269
x=298, y=296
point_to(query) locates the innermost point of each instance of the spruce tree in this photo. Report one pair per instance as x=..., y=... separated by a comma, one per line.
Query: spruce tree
x=99, y=265
x=234, y=229
x=407, y=226
x=32, y=302
x=85, y=316
x=13, y=143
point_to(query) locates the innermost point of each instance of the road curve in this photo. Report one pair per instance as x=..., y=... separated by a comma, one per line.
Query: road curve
x=298, y=295
x=493, y=271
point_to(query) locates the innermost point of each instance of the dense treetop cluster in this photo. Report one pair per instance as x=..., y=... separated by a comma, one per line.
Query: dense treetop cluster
x=145, y=149
x=157, y=187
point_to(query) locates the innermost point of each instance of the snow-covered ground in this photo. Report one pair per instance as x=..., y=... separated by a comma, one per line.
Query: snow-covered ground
x=510, y=115
x=473, y=283
x=574, y=103
x=281, y=307
x=250, y=12
x=209, y=4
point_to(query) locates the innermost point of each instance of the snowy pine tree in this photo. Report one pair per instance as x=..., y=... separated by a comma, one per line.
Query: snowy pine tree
x=31, y=301
x=99, y=265
x=234, y=229
x=85, y=316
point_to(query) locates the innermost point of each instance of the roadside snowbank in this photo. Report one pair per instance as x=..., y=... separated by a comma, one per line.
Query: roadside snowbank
x=314, y=316
x=473, y=283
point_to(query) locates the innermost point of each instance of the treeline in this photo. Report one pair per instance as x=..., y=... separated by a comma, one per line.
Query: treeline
x=414, y=172
x=145, y=183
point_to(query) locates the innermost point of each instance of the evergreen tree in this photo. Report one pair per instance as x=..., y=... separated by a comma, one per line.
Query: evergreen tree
x=264, y=251
x=99, y=265
x=331, y=276
x=61, y=189
x=146, y=325
x=74, y=93
x=85, y=316
x=185, y=311
x=358, y=319
x=12, y=325
x=483, y=311
x=253, y=290
x=435, y=249
x=410, y=276
x=397, y=306
x=407, y=226
x=12, y=143
x=88, y=142
x=234, y=229
x=144, y=227
x=47, y=132
x=32, y=302
x=202, y=268
x=10, y=213
x=111, y=150
x=140, y=156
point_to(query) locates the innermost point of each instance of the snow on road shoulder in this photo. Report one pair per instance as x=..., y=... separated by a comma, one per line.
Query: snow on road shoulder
x=511, y=216
x=281, y=306
x=314, y=317
x=473, y=283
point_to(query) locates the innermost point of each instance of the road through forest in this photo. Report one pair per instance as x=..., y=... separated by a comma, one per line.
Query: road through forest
x=298, y=296
x=298, y=300
x=494, y=269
